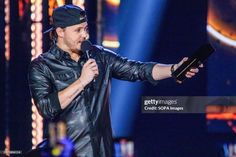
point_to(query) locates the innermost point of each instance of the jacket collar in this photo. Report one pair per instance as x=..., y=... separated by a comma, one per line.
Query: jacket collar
x=58, y=53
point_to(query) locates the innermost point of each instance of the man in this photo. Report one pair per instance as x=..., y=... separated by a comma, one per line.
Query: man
x=67, y=86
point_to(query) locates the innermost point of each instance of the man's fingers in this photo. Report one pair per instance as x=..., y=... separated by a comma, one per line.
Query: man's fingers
x=188, y=76
x=185, y=59
x=96, y=72
x=196, y=70
x=182, y=61
x=91, y=65
x=190, y=73
x=201, y=65
x=94, y=68
x=89, y=61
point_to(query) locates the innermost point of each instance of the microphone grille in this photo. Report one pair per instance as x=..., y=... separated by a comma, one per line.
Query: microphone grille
x=86, y=45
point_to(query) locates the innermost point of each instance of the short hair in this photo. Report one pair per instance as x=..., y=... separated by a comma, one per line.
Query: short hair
x=53, y=36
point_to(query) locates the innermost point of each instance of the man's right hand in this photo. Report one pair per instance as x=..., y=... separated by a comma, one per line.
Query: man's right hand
x=89, y=72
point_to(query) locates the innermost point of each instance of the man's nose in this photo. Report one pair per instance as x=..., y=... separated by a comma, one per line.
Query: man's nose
x=86, y=36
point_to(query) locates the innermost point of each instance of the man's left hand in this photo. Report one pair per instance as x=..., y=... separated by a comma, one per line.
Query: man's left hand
x=191, y=72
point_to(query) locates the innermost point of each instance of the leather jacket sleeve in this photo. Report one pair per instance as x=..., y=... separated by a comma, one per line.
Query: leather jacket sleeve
x=45, y=98
x=130, y=70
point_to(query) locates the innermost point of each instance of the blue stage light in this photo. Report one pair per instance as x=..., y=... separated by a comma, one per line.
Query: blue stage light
x=139, y=26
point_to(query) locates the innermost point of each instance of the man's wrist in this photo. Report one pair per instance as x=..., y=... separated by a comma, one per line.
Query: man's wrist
x=172, y=69
x=82, y=83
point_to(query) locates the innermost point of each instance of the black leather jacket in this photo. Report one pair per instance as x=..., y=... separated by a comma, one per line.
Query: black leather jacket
x=87, y=116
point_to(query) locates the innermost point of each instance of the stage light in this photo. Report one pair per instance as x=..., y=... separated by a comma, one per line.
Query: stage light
x=36, y=50
x=32, y=8
x=141, y=28
x=32, y=44
x=34, y=125
x=60, y=2
x=221, y=23
x=33, y=116
x=216, y=34
x=7, y=29
x=32, y=16
x=34, y=109
x=111, y=44
x=110, y=40
x=34, y=142
x=38, y=18
x=79, y=3
x=221, y=116
x=114, y=3
x=33, y=36
x=33, y=27
x=7, y=145
x=34, y=133
x=7, y=57
x=33, y=52
x=37, y=127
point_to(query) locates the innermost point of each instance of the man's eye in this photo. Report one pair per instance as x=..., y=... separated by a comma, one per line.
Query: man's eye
x=78, y=30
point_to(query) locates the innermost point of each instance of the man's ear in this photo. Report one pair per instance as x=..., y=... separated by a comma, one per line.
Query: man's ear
x=60, y=32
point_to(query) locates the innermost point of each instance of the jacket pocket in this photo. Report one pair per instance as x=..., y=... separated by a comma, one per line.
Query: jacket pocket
x=64, y=76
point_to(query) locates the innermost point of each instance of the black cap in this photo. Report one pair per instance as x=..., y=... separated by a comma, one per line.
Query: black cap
x=67, y=15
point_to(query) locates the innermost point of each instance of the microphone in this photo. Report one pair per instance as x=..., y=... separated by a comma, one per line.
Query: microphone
x=86, y=47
